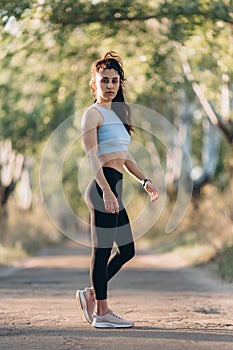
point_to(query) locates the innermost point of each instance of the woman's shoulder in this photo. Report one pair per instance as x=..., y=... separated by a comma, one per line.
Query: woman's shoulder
x=91, y=110
x=91, y=115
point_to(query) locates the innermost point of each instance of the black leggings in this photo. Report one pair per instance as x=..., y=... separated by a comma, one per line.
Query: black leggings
x=108, y=228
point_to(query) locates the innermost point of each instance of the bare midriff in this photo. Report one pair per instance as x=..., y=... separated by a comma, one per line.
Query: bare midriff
x=114, y=160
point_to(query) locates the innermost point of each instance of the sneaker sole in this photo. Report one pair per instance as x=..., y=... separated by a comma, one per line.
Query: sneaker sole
x=83, y=305
x=110, y=325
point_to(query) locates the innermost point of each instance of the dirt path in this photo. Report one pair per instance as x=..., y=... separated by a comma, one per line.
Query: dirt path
x=173, y=307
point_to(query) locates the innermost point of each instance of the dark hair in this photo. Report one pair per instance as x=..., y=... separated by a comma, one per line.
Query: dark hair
x=111, y=60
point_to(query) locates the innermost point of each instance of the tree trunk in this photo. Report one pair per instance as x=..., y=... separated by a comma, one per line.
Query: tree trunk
x=224, y=124
x=11, y=165
x=210, y=154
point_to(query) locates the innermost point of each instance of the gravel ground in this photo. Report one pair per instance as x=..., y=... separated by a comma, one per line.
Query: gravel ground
x=173, y=306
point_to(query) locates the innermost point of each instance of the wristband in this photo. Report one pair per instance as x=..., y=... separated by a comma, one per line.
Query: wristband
x=143, y=182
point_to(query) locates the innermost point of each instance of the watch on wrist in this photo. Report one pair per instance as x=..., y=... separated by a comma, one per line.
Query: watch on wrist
x=143, y=182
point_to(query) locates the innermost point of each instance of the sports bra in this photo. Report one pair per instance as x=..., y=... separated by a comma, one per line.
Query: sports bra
x=112, y=135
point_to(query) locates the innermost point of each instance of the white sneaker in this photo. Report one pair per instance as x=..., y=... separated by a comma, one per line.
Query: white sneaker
x=110, y=320
x=86, y=303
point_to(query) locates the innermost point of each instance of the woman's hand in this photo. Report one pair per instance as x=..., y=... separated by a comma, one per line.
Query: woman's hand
x=110, y=201
x=152, y=191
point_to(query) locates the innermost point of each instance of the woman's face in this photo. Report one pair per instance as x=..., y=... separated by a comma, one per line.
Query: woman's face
x=107, y=85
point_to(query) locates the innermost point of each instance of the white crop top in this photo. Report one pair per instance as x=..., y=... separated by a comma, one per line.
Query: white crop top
x=112, y=135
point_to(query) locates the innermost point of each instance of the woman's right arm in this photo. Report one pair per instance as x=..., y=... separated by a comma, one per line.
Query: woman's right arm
x=91, y=119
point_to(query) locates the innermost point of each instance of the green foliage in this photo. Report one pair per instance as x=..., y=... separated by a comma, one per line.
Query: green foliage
x=48, y=47
x=225, y=264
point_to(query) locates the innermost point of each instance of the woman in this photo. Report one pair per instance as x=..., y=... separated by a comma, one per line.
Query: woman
x=106, y=130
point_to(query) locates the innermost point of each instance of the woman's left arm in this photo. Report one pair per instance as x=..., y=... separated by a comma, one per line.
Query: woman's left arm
x=134, y=170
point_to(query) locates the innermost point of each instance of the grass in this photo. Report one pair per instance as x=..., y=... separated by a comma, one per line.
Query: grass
x=26, y=233
x=202, y=236
x=8, y=255
x=225, y=264
x=204, y=233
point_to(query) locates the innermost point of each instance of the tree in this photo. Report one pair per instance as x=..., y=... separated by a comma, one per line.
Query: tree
x=47, y=48
x=33, y=28
x=11, y=164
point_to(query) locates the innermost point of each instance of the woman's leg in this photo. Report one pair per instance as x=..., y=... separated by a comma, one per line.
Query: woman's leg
x=125, y=245
x=103, y=239
x=107, y=228
x=100, y=257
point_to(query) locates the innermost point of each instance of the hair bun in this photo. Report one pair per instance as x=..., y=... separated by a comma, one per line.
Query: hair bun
x=113, y=55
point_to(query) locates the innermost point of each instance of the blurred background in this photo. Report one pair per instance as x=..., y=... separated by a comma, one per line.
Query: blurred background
x=178, y=61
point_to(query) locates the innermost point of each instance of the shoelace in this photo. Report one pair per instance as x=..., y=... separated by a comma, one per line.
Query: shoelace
x=114, y=315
